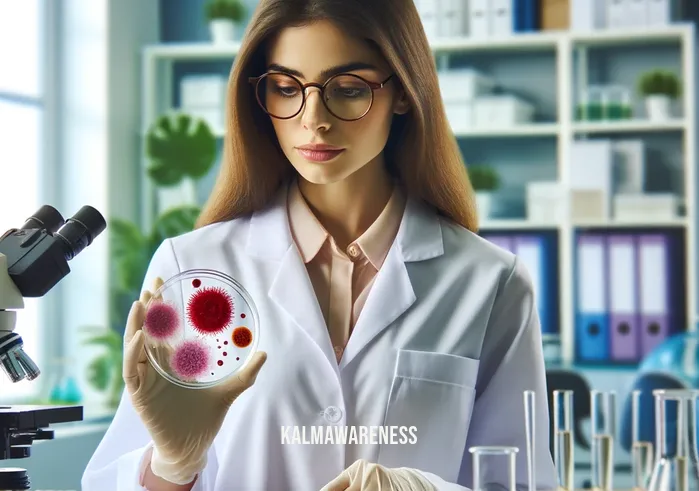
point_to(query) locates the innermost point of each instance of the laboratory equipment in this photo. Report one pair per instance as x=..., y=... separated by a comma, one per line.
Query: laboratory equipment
x=529, y=424
x=33, y=259
x=617, y=103
x=494, y=451
x=592, y=104
x=201, y=327
x=603, y=433
x=675, y=467
x=641, y=450
x=563, y=437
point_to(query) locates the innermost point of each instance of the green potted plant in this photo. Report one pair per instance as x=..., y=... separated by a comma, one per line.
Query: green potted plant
x=485, y=180
x=179, y=148
x=223, y=16
x=659, y=89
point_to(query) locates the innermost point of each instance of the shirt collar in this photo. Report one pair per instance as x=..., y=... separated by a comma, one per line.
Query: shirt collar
x=310, y=235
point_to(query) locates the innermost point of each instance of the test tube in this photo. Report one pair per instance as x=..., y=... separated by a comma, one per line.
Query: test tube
x=529, y=423
x=603, y=431
x=497, y=451
x=641, y=451
x=563, y=437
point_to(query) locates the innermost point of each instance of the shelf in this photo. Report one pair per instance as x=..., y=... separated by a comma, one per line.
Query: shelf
x=606, y=224
x=534, y=41
x=192, y=51
x=631, y=126
x=515, y=224
x=523, y=130
x=640, y=36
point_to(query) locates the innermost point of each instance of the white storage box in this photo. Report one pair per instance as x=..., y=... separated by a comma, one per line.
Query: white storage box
x=546, y=202
x=646, y=207
x=203, y=91
x=463, y=84
x=497, y=111
x=204, y=97
x=459, y=115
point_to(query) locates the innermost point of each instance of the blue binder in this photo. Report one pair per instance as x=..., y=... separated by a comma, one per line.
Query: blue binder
x=534, y=251
x=525, y=15
x=592, y=337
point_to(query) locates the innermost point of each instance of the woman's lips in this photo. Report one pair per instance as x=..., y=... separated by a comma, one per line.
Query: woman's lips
x=318, y=155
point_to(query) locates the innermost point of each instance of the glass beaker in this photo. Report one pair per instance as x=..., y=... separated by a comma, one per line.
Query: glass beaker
x=563, y=437
x=592, y=104
x=617, y=103
x=675, y=467
x=603, y=431
x=494, y=451
x=641, y=450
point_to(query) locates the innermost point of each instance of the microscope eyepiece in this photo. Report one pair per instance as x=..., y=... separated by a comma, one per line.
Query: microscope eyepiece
x=80, y=230
x=47, y=217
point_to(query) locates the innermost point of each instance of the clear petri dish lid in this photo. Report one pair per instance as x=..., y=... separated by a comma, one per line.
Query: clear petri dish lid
x=201, y=327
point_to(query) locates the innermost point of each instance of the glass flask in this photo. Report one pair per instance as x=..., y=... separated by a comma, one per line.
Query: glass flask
x=201, y=327
x=603, y=432
x=563, y=438
x=641, y=450
x=675, y=467
x=494, y=451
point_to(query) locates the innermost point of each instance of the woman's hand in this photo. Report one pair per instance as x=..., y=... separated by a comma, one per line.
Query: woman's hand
x=182, y=422
x=365, y=476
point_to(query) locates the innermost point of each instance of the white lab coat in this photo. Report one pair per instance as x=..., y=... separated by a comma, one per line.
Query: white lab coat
x=447, y=342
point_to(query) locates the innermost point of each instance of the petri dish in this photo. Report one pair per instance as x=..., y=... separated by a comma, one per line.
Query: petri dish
x=201, y=327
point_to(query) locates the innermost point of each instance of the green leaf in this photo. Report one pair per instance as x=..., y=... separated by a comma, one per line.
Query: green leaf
x=164, y=174
x=174, y=222
x=179, y=146
x=99, y=372
x=125, y=237
x=107, y=338
x=129, y=249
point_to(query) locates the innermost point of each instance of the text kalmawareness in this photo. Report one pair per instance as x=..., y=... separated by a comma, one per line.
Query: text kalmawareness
x=348, y=435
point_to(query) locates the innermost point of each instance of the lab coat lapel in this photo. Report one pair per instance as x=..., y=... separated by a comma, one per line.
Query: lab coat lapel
x=419, y=238
x=270, y=238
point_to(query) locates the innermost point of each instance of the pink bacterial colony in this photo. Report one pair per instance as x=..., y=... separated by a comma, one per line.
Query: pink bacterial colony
x=161, y=322
x=190, y=360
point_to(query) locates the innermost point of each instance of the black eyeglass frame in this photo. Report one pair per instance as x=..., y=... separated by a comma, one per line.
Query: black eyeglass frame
x=255, y=81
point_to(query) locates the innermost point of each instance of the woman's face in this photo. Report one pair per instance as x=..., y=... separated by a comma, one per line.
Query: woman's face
x=323, y=148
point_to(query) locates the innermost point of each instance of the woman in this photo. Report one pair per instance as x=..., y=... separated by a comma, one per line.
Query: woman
x=344, y=208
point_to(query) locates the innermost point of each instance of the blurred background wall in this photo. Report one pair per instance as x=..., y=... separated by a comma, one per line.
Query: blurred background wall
x=542, y=106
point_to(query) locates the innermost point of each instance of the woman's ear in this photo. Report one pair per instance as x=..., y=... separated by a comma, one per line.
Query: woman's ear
x=401, y=104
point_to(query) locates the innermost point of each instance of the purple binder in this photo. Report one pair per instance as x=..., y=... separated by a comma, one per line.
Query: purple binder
x=502, y=241
x=654, y=284
x=623, y=298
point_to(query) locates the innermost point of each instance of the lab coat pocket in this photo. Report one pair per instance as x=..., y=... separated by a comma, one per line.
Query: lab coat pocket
x=430, y=401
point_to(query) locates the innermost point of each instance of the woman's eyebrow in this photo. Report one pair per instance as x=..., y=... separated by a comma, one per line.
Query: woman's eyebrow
x=328, y=72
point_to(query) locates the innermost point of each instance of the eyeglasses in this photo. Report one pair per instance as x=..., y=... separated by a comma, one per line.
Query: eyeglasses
x=346, y=96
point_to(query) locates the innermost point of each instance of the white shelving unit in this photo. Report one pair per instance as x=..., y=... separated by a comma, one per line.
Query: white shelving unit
x=158, y=64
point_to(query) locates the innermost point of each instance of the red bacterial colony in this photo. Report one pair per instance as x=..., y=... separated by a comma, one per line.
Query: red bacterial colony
x=242, y=316
x=190, y=360
x=196, y=283
x=210, y=310
x=161, y=321
x=242, y=337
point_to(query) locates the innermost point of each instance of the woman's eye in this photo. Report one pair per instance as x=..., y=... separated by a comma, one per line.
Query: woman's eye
x=287, y=91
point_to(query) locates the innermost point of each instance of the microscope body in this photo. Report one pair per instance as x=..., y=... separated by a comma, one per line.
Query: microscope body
x=33, y=259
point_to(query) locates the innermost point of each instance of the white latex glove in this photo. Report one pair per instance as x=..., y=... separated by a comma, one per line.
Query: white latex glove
x=182, y=422
x=365, y=476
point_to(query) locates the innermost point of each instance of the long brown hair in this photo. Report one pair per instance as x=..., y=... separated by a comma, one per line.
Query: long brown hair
x=421, y=151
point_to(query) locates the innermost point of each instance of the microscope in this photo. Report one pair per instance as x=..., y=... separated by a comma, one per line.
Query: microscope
x=33, y=259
